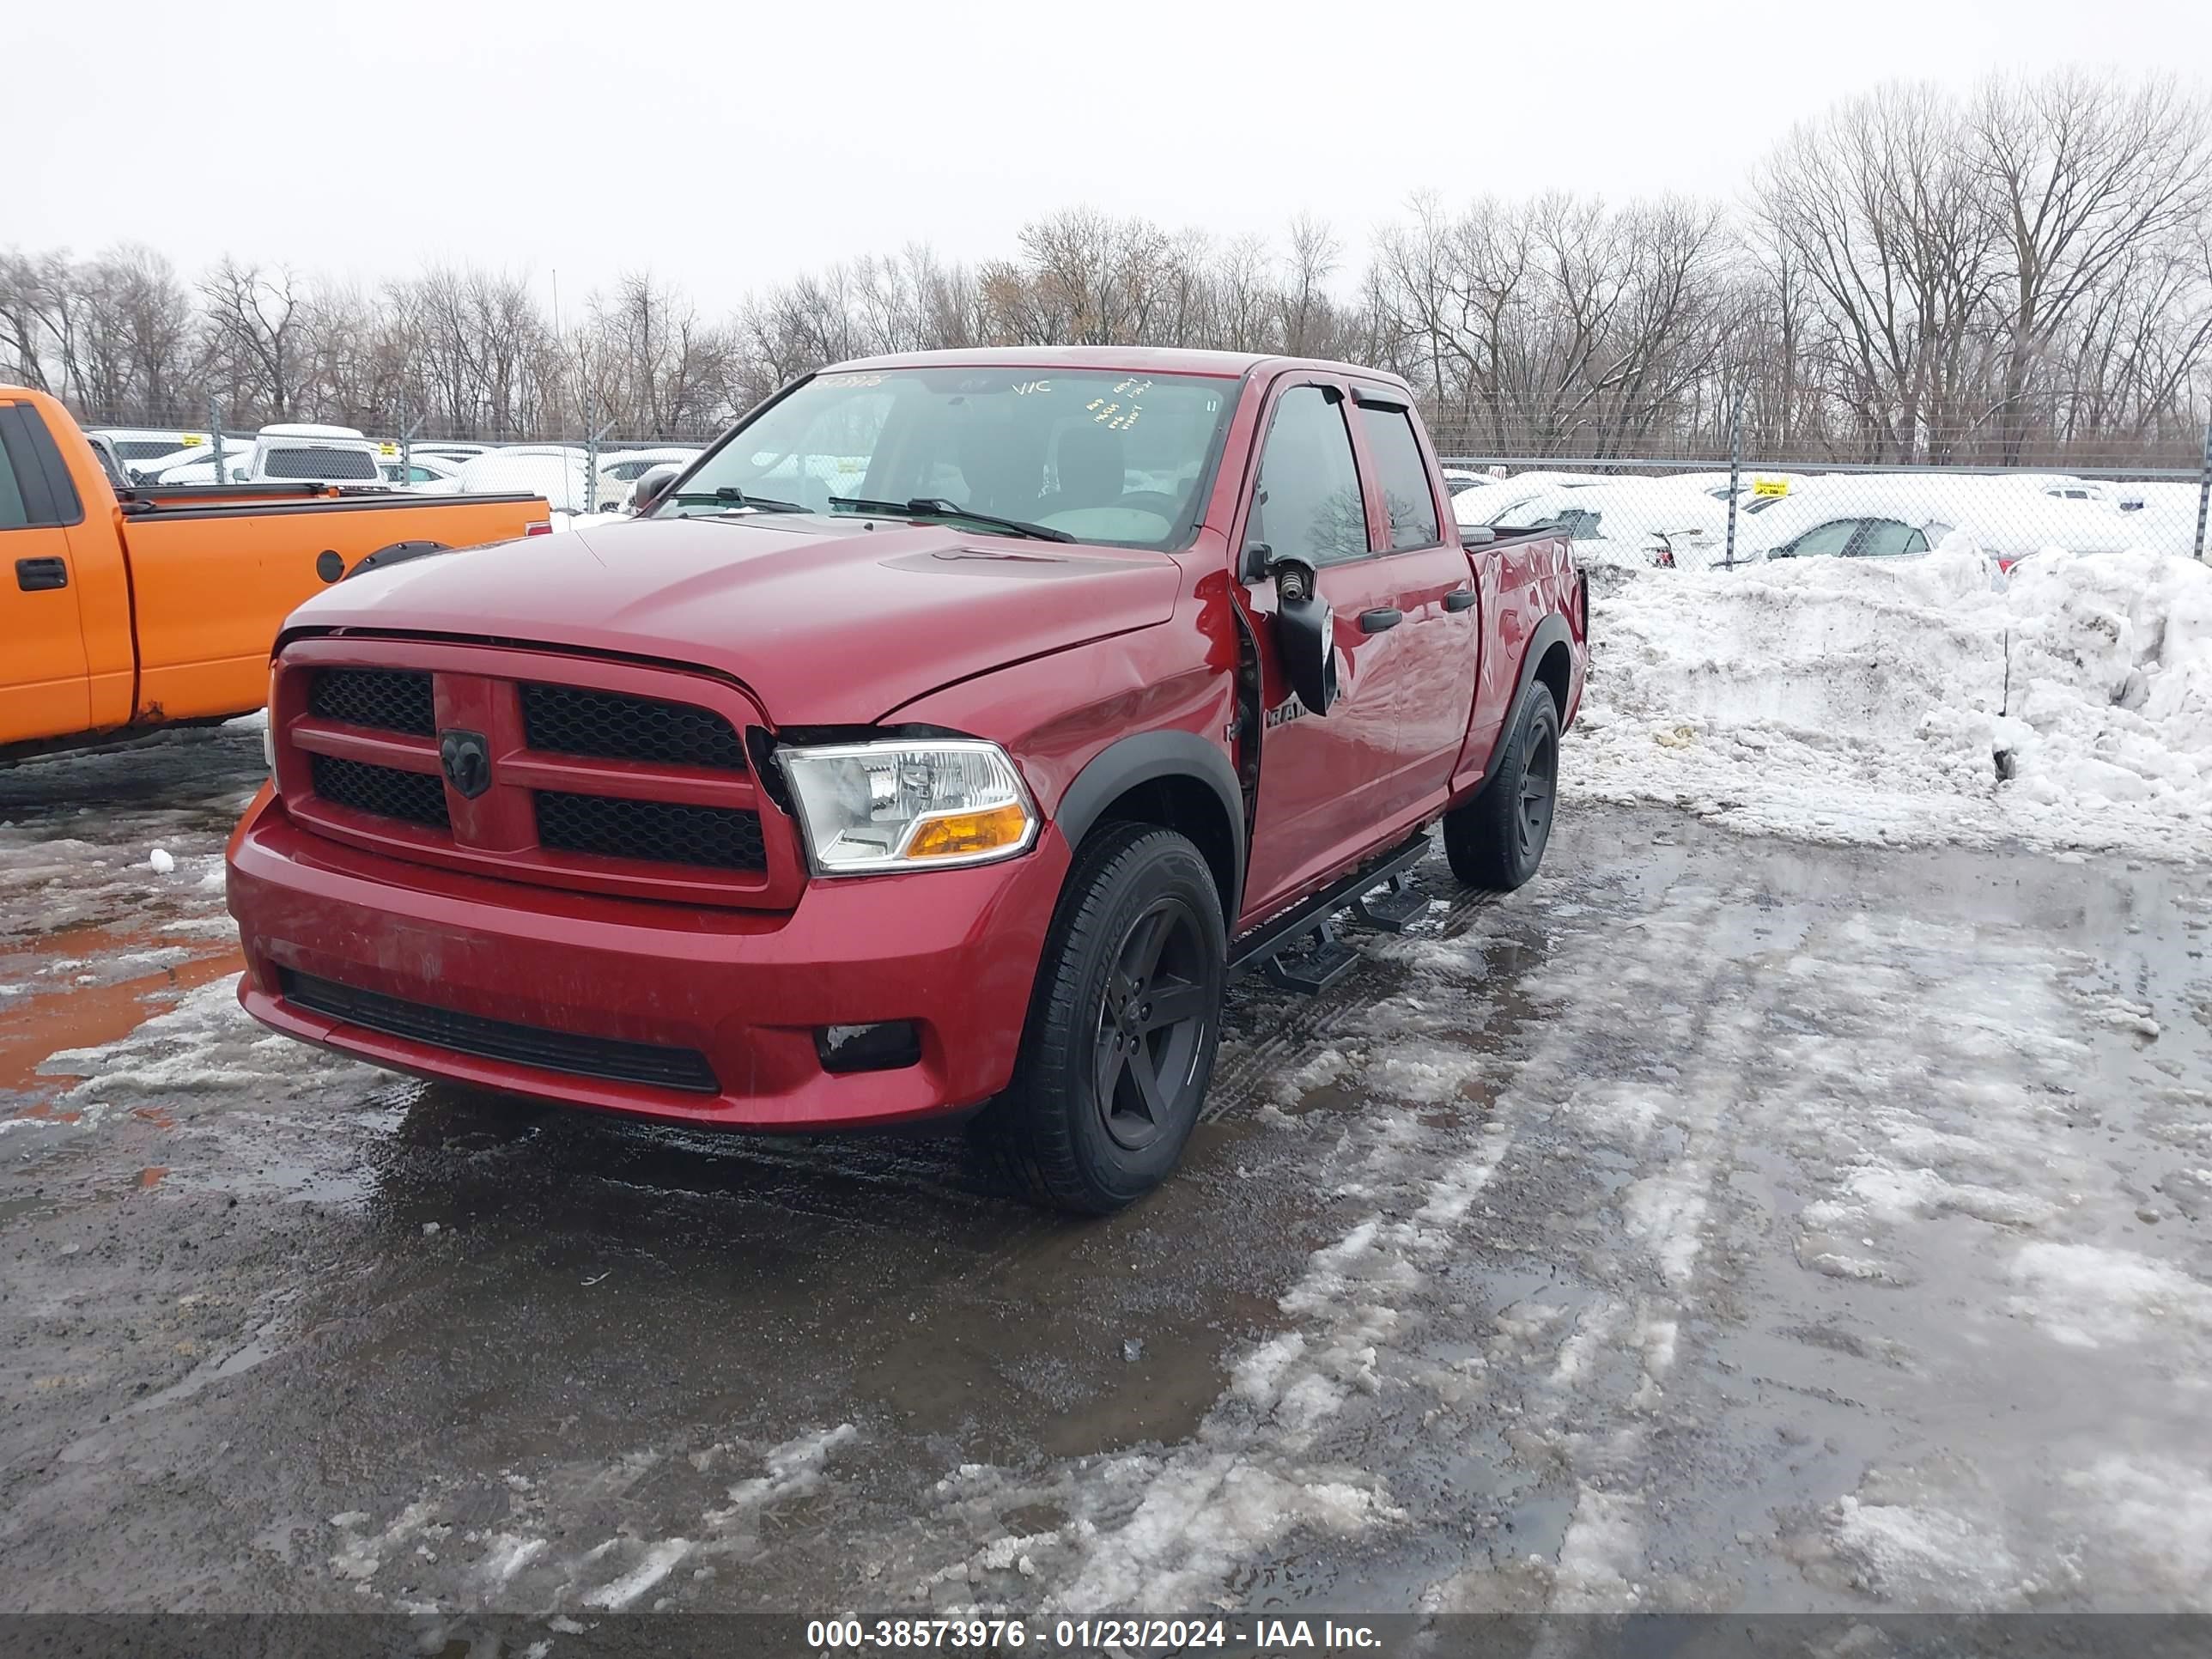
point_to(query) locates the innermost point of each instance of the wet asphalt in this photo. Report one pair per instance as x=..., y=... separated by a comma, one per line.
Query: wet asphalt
x=1718, y=1222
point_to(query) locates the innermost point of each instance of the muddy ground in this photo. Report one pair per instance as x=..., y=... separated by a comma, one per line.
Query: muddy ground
x=1716, y=1223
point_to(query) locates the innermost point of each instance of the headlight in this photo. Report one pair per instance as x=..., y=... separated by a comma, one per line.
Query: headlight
x=269, y=726
x=894, y=805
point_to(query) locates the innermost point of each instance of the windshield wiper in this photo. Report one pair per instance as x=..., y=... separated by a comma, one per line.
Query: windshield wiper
x=730, y=495
x=933, y=506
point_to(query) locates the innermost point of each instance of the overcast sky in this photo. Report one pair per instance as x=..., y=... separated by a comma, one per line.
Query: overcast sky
x=728, y=146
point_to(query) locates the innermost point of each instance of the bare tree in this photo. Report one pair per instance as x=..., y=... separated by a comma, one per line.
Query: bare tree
x=1879, y=204
x=2087, y=178
x=257, y=315
x=1304, y=307
x=2023, y=274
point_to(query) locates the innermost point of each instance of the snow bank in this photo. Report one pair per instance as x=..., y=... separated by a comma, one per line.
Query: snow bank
x=1911, y=701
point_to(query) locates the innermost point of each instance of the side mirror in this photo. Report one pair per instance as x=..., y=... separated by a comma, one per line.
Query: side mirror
x=650, y=490
x=1305, y=633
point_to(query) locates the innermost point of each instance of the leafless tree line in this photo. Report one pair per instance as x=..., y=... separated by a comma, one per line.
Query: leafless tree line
x=2022, y=274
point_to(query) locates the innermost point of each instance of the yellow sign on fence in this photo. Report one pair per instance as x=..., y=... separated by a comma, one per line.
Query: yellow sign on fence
x=1771, y=486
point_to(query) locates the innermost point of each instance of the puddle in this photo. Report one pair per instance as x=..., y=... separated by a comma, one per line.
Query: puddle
x=82, y=1016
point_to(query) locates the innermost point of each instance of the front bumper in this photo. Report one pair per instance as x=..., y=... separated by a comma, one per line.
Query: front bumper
x=953, y=950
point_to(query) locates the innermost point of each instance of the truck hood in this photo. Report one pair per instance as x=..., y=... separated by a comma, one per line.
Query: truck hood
x=826, y=621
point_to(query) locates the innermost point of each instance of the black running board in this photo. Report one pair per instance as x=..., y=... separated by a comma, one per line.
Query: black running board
x=1329, y=958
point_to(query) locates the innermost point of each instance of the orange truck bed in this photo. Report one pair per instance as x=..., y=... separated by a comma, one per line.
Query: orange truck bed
x=144, y=608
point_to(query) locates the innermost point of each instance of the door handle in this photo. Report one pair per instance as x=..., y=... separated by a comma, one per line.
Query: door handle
x=1381, y=619
x=1460, y=598
x=34, y=575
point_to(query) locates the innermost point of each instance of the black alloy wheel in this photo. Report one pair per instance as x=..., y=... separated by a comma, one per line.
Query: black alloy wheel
x=1539, y=788
x=1155, y=1020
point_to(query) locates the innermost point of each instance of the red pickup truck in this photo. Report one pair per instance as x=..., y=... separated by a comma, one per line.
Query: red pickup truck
x=942, y=739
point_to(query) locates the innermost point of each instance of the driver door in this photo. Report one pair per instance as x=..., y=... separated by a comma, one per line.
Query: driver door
x=1326, y=782
x=46, y=687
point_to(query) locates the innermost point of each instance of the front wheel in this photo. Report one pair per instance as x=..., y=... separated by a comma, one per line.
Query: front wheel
x=1497, y=840
x=1122, y=1026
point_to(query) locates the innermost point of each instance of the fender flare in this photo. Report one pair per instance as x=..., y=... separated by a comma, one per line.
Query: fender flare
x=1128, y=762
x=395, y=553
x=1552, y=631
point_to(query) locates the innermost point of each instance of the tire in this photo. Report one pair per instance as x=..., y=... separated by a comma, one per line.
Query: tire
x=1497, y=840
x=1140, y=912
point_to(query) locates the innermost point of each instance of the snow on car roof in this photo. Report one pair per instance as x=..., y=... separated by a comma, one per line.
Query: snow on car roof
x=1646, y=504
x=309, y=430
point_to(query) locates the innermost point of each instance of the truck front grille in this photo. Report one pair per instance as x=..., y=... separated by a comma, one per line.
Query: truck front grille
x=388, y=699
x=385, y=791
x=666, y=832
x=648, y=1063
x=575, y=719
x=618, y=777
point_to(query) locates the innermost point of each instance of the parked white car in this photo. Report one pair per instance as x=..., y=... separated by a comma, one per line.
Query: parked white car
x=135, y=445
x=555, y=474
x=1458, y=480
x=1899, y=533
x=141, y=443
x=1502, y=496
x=1638, y=522
x=199, y=465
x=422, y=475
x=447, y=449
x=518, y=452
x=1897, y=514
x=1757, y=488
x=620, y=469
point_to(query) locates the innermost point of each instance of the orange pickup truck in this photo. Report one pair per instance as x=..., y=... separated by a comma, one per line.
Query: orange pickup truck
x=123, y=609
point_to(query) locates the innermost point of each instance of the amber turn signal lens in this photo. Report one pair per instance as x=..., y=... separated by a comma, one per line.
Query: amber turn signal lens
x=958, y=833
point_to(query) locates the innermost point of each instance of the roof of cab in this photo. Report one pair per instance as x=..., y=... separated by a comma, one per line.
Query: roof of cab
x=1165, y=360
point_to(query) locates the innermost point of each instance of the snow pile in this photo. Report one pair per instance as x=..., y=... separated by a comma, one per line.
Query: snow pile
x=1918, y=700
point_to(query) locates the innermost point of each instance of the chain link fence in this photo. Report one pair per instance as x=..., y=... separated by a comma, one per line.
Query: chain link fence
x=1687, y=509
x=1701, y=514
x=579, y=471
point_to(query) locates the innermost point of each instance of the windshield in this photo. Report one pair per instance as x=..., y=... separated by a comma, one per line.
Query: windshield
x=1099, y=457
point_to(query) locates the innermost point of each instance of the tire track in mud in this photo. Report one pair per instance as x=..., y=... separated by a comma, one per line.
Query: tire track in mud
x=1287, y=1452
x=1590, y=1412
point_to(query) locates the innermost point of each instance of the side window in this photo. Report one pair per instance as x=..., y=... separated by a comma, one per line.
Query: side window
x=1307, y=503
x=1886, y=538
x=104, y=453
x=1831, y=538
x=1404, y=477
x=35, y=487
x=13, y=514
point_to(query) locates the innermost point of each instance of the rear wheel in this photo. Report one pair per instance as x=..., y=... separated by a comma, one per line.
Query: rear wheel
x=1497, y=840
x=1122, y=1026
